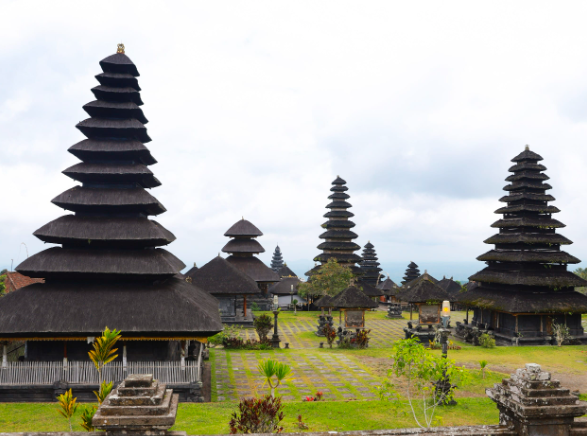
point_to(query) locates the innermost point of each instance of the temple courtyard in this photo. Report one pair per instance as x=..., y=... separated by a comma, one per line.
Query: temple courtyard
x=347, y=378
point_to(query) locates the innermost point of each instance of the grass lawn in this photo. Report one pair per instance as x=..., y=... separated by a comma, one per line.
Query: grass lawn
x=213, y=418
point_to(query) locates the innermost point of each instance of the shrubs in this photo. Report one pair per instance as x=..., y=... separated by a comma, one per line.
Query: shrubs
x=257, y=415
x=68, y=405
x=362, y=338
x=228, y=332
x=561, y=333
x=263, y=325
x=329, y=333
x=486, y=341
x=249, y=344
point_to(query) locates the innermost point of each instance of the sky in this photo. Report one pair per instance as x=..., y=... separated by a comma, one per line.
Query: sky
x=255, y=108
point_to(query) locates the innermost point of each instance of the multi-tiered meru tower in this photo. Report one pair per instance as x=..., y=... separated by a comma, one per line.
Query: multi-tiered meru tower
x=370, y=266
x=107, y=268
x=412, y=273
x=526, y=290
x=338, y=238
x=277, y=260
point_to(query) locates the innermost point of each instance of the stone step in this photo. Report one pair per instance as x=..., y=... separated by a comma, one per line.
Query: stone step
x=140, y=400
x=125, y=391
x=133, y=409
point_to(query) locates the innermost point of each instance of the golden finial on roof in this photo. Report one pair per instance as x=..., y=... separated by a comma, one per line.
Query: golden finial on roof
x=527, y=147
x=120, y=48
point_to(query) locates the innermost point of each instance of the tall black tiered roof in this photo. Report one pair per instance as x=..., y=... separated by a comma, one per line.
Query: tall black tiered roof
x=108, y=268
x=277, y=260
x=412, y=273
x=370, y=266
x=242, y=247
x=338, y=238
x=527, y=270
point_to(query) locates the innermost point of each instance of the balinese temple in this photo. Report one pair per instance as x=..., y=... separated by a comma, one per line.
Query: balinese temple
x=370, y=267
x=525, y=287
x=389, y=288
x=338, y=238
x=105, y=265
x=412, y=273
x=230, y=286
x=277, y=260
x=242, y=248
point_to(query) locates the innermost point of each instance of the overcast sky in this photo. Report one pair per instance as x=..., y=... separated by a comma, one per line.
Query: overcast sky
x=255, y=107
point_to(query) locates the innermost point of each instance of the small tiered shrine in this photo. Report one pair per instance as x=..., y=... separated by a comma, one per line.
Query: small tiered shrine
x=526, y=290
x=352, y=302
x=370, y=266
x=338, y=238
x=230, y=286
x=106, y=267
x=277, y=260
x=242, y=247
x=412, y=273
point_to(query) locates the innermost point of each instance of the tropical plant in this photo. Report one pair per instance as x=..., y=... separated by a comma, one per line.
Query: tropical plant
x=2, y=284
x=420, y=370
x=272, y=368
x=228, y=332
x=329, y=333
x=581, y=272
x=486, y=341
x=103, y=352
x=363, y=338
x=68, y=405
x=87, y=416
x=257, y=415
x=295, y=305
x=330, y=279
x=105, y=389
x=483, y=364
x=561, y=333
x=263, y=325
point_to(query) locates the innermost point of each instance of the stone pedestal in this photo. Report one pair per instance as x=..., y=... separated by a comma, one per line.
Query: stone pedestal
x=394, y=311
x=535, y=405
x=321, y=324
x=138, y=406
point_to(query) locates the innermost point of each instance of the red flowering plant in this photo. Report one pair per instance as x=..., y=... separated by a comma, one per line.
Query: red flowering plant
x=330, y=334
x=257, y=415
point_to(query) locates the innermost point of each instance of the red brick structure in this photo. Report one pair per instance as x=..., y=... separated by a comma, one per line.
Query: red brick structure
x=15, y=280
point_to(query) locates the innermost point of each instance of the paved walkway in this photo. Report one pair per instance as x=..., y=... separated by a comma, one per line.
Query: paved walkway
x=337, y=376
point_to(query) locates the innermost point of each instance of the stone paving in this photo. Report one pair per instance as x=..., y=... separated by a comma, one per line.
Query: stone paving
x=337, y=376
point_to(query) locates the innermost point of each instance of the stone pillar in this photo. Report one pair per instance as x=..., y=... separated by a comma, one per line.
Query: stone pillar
x=534, y=404
x=138, y=406
x=275, y=339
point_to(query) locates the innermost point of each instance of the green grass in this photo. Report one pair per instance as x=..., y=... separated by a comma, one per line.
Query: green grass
x=213, y=418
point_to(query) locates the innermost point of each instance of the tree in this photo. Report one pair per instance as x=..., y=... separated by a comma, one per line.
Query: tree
x=2, y=284
x=68, y=405
x=330, y=279
x=272, y=368
x=581, y=272
x=420, y=369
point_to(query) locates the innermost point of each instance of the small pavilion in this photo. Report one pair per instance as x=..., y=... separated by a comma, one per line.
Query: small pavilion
x=352, y=302
x=427, y=297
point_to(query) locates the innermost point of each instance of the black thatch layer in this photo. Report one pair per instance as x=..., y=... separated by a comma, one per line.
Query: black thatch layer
x=219, y=277
x=243, y=246
x=166, y=309
x=450, y=286
x=387, y=285
x=112, y=149
x=527, y=259
x=352, y=298
x=324, y=301
x=285, y=271
x=515, y=301
x=284, y=286
x=338, y=238
x=100, y=231
x=370, y=267
x=108, y=270
x=109, y=201
x=277, y=260
x=190, y=272
x=370, y=291
x=412, y=273
x=243, y=228
x=254, y=268
x=423, y=290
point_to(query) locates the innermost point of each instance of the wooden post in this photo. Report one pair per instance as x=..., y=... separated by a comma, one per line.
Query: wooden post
x=245, y=305
x=183, y=352
x=340, y=317
x=467, y=314
x=201, y=351
x=516, y=323
x=124, y=359
x=64, y=355
x=411, y=307
x=4, y=356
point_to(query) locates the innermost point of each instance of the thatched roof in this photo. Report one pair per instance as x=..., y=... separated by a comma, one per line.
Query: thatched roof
x=324, y=301
x=370, y=291
x=115, y=149
x=167, y=309
x=284, y=286
x=450, y=286
x=119, y=63
x=254, y=268
x=122, y=109
x=423, y=290
x=285, y=271
x=105, y=231
x=120, y=79
x=387, y=285
x=412, y=273
x=526, y=277
x=243, y=228
x=219, y=277
x=112, y=173
x=352, y=298
x=520, y=301
x=277, y=260
x=243, y=246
